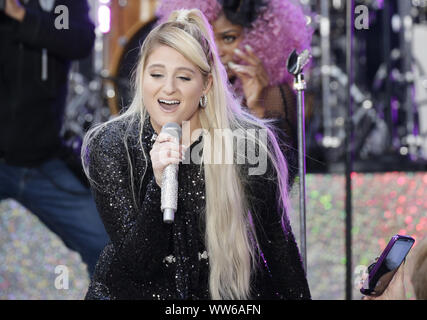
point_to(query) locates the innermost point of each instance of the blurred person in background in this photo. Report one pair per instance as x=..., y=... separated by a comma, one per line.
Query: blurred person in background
x=37, y=46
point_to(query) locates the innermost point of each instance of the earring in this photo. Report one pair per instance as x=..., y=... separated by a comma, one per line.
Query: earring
x=203, y=101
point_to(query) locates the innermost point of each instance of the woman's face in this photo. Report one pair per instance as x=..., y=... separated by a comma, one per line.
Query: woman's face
x=227, y=38
x=172, y=87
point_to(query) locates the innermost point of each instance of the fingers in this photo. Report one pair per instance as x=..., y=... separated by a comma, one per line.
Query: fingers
x=244, y=70
x=166, y=150
x=166, y=153
x=164, y=137
x=165, y=141
x=252, y=54
x=248, y=56
x=249, y=72
x=165, y=146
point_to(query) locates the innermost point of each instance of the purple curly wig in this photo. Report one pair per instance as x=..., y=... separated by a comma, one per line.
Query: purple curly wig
x=280, y=27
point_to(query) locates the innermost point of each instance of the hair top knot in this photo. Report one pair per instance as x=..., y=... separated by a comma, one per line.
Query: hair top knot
x=189, y=21
x=182, y=16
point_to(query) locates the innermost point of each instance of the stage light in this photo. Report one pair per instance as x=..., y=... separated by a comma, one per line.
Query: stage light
x=104, y=17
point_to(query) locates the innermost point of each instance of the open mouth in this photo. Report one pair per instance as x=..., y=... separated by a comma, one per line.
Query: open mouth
x=168, y=105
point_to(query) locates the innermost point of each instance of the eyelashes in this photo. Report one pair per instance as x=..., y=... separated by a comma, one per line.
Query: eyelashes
x=160, y=75
x=229, y=39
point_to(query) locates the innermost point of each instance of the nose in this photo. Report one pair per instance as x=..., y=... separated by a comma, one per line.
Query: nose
x=221, y=51
x=169, y=87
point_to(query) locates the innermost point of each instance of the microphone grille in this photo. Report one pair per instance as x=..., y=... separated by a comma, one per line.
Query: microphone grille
x=173, y=129
x=304, y=58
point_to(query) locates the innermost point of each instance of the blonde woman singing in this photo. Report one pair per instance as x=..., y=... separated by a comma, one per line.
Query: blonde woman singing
x=231, y=237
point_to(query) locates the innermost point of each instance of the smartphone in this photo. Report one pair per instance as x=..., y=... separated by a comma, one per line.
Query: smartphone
x=381, y=272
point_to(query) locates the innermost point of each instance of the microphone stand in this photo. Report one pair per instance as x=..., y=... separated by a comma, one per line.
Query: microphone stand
x=295, y=66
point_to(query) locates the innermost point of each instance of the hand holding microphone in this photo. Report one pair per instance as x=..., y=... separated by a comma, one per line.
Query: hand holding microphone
x=165, y=157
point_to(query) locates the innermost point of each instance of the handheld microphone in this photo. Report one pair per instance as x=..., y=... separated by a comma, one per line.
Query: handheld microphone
x=169, y=196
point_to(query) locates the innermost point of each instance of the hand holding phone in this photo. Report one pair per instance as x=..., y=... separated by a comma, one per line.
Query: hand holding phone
x=381, y=273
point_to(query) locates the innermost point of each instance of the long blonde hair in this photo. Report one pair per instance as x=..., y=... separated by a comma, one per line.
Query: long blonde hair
x=230, y=238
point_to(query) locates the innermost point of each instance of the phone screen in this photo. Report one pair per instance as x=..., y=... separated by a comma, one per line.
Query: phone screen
x=388, y=265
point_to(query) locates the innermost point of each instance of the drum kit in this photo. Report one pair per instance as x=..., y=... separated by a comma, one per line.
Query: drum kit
x=389, y=91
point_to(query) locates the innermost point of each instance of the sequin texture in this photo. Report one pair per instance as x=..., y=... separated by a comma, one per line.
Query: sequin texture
x=149, y=259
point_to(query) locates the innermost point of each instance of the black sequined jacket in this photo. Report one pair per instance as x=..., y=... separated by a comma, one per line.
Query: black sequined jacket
x=148, y=259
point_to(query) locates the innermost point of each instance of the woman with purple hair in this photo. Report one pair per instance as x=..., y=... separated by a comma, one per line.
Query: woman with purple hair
x=254, y=39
